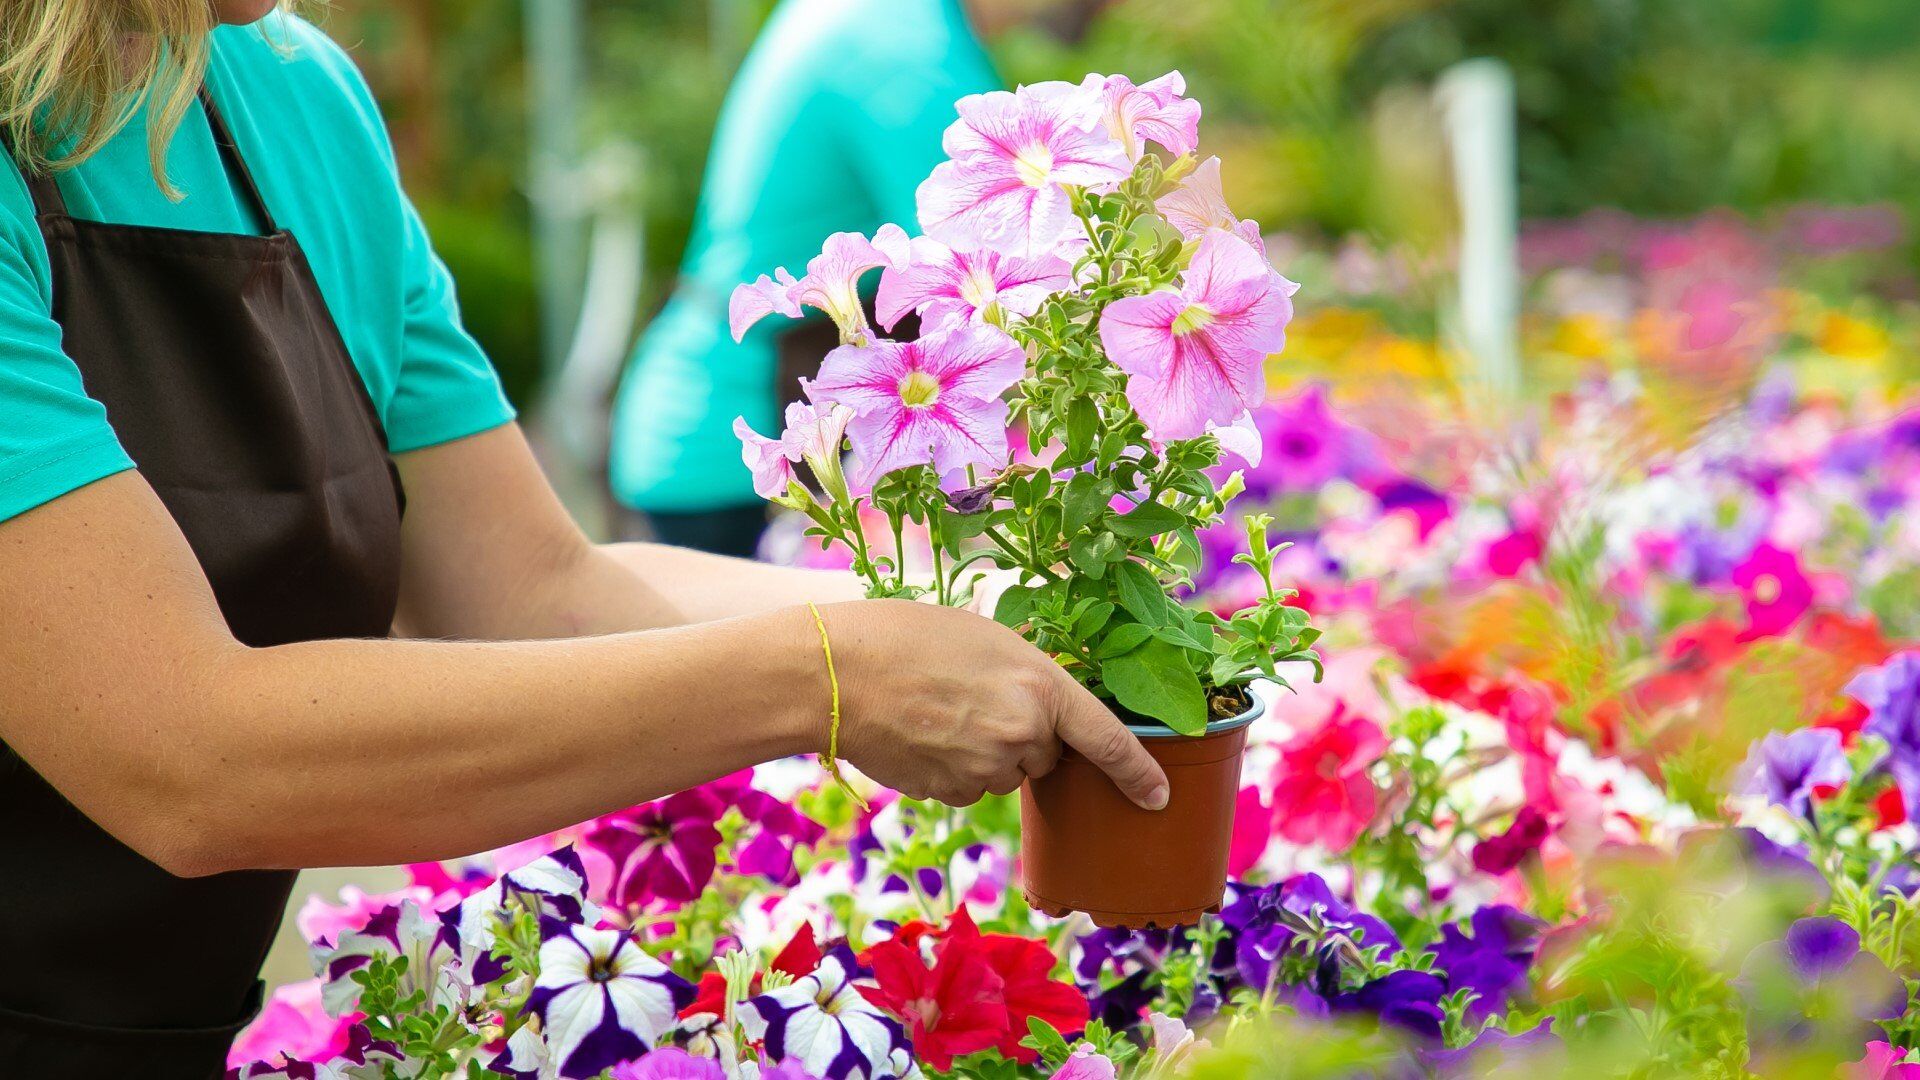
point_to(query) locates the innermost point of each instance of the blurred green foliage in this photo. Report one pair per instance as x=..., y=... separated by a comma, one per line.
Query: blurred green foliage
x=1659, y=107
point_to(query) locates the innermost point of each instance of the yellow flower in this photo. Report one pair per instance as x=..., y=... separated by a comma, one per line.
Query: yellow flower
x=1851, y=339
x=1585, y=335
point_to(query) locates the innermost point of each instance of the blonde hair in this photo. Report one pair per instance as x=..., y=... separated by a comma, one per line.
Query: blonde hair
x=74, y=72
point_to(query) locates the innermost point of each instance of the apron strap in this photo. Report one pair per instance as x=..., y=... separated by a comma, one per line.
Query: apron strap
x=230, y=153
x=40, y=186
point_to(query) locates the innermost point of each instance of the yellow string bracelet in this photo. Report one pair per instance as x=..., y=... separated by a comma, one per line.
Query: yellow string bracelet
x=831, y=759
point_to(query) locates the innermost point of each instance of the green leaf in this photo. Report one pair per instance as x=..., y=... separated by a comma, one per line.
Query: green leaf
x=1149, y=519
x=1083, y=422
x=1043, y=1037
x=1085, y=500
x=1091, y=554
x=1156, y=680
x=1122, y=639
x=1015, y=606
x=1093, y=619
x=1140, y=592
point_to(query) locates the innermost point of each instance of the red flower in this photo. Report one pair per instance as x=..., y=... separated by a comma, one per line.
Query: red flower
x=1025, y=967
x=1890, y=809
x=954, y=1008
x=1322, y=792
x=978, y=994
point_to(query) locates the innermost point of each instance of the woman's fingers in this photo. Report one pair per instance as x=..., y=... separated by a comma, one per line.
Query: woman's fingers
x=1091, y=728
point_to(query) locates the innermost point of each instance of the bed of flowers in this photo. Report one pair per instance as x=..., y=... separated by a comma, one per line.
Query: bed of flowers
x=1608, y=775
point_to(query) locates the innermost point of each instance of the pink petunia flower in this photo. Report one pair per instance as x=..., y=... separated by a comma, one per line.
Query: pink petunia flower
x=1013, y=155
x=1252, y=831
x=1775, y=590
x=1322, y=791
x=949, y=288
x=295, y=1023
x=662, y=850
x=1883, y=1061
x=1156, y=111
x=813, y=435
x=832, y=284
x=933, y=401
x=1200, y=204
x=1196, y=357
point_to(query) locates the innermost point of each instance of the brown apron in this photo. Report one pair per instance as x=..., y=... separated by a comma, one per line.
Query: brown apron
x=229, y=385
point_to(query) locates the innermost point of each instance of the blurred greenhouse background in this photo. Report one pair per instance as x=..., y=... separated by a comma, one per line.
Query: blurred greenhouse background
x=1656, y=108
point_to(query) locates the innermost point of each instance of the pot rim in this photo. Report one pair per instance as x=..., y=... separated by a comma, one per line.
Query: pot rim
x=1231, y=723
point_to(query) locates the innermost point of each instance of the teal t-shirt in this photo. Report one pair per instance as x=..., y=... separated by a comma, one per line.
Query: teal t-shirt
x=312, y=136
x=832, y=123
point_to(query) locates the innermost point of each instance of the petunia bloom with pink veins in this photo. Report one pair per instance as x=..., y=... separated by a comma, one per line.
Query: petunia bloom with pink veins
x=949, y=288
x=935, y=401
x=812, y=435
x=832, y=284
x=1195, y=358
x=1157, y=111
x=1200, y=204
x=1012, y=157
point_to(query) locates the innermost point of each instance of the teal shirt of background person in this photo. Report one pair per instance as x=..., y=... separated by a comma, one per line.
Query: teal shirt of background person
x=312, y=136
x=833, y=121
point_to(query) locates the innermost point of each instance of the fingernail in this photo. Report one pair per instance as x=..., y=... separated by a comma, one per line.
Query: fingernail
x=1157, y=798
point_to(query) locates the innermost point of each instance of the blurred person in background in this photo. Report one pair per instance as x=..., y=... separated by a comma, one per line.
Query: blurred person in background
x=834, y=119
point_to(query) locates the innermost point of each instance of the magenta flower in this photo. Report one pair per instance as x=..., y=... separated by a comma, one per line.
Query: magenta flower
x=662, y=850
x=1157, y=112
x=933, y=401
x=1013, y=156
x=1196, y=357
x=832, y=284
x=949, y=288
x=1774, y=589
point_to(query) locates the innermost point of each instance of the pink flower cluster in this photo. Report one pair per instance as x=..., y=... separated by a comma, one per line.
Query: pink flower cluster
x=1003, y=234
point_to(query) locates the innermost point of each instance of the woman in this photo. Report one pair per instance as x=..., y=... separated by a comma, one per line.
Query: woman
x=241, y=435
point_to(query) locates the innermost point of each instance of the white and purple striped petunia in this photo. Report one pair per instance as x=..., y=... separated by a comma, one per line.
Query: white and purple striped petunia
x=600, y=998
x=399, y=930
x=823, y=1024
x=552, y=886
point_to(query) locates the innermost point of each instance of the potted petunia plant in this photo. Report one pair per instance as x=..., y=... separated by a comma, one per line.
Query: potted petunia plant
x=1095, y=328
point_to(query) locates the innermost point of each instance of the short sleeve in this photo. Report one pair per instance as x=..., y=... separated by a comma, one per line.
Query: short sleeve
x=447, y=389
x=900, y=106
x=53, y=437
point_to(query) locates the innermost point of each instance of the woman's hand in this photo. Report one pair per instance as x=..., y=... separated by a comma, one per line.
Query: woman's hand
x=943, y=704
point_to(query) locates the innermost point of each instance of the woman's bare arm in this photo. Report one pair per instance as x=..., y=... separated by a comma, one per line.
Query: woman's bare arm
x=124, y=688
x=491, y=554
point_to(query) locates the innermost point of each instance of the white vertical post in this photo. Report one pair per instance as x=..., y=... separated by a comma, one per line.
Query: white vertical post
x=555, y=55
x=1477, y=107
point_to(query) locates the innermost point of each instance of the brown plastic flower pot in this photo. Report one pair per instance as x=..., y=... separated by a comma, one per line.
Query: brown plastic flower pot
x=1086, y=847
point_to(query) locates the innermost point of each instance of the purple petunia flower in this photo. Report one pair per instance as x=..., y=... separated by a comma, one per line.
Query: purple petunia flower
x=600, y=998
x=1493, y=961
x=1891, y=694
x=1267, y=921
x=822, y=1023
x=1786, y=768
x=1490, y=1046
x=670, y=1063
x=1821, y=957
x=1406, y=999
